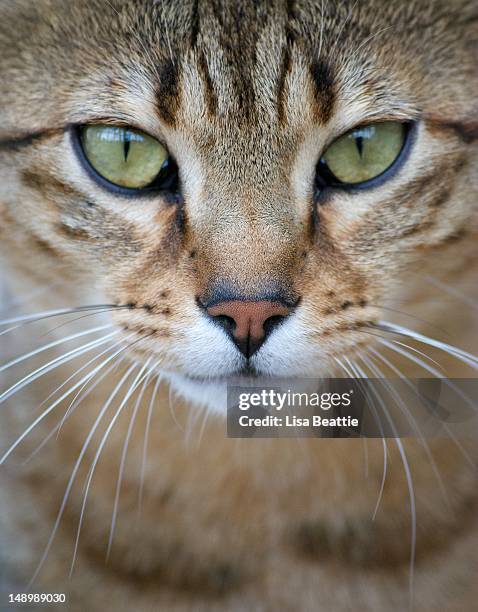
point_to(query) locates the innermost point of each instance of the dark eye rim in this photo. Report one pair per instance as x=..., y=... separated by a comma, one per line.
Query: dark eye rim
x=156, y=188
x=325, y=179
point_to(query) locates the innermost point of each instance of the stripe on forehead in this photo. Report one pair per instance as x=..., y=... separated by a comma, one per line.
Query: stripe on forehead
x=167, y=93
x=243, y=56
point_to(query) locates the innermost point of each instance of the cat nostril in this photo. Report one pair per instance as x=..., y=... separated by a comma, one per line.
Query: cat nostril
x=271, y=323
x=227, y=323
x=248, y=323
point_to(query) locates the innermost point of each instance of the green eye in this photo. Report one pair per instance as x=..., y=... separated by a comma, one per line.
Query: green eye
x=124, y=157
x=364, y=153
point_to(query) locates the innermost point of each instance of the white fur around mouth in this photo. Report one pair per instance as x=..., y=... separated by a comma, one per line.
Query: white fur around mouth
x=210, y=395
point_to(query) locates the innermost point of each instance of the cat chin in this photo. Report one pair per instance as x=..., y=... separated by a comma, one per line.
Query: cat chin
x=207, y=394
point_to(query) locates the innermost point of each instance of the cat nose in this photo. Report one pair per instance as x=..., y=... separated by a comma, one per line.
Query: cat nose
x=249, y=323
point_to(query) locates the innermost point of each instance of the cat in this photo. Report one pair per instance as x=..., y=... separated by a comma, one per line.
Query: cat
x=197, y=192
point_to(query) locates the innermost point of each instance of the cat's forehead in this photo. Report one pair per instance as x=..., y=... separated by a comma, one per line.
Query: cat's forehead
x=266, y=60
x=253, y=65
x=243, y=68
x=277, y=61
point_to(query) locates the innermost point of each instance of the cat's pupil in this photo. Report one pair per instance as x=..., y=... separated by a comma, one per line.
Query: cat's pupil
x=359, y=143
x=127, y=144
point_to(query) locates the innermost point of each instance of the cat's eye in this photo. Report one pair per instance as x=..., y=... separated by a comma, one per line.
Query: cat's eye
x=127, y=158
x=362, y=154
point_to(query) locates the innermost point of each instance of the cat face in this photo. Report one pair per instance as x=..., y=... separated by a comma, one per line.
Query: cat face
x=250, y=179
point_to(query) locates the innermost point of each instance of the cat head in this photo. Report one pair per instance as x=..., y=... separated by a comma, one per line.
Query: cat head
x=251, y=180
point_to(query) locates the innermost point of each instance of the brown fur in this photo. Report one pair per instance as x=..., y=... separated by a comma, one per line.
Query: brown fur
x=246, y=95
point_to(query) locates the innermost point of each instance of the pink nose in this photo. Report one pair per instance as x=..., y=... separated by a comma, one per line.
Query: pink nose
x=249, y=323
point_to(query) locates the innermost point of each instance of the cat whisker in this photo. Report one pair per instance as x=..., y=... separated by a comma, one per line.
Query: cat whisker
x=46, y=412
x=411, y=491
x=356, y=374
x=429, y=369
x=408, y=315
x=50, y=345
x=74, y=402
x=90, y=314
x=58, y=426
x=421, y=353
x=172, y=411
x=49, y=314
x=365, y=444
x=191, y=421
x=137, y=381
x=145, y=443
x=341, y=365
x=408, y=383
x=349, y=373
x=76, y=468
x=407, y=346
x=64, y=396
x=464, y=356
x=125, y=450
x=52, y=313
x=83, y=367
x=55, y=363
x=203, y=427
x=368, y=360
